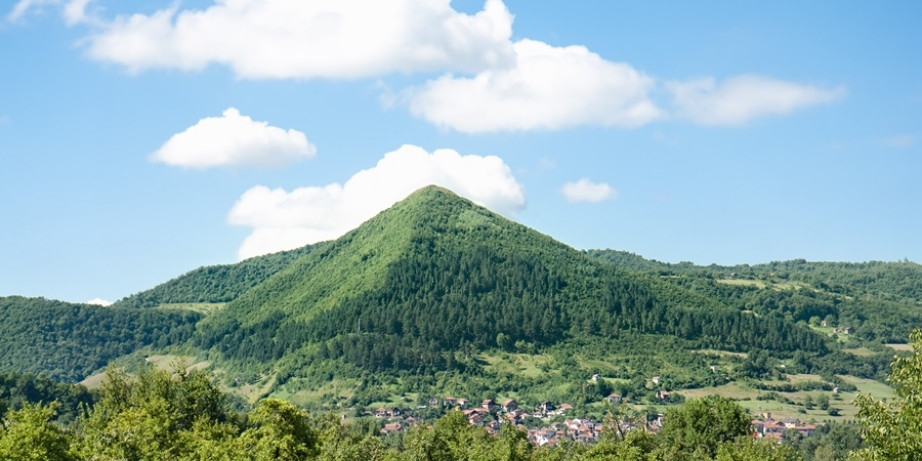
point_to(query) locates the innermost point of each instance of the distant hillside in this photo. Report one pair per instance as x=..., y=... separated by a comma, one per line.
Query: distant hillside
x=882, y=301
x=214, y=284
x=70, y=341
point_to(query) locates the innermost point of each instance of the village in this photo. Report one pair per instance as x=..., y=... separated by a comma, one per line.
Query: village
x=549, y=424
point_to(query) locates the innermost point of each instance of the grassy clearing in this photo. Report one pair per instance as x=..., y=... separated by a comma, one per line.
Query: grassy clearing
x=93, y=382
x=900, y=347
x=720, y=353
x=860, y=352
x=739, y=282
x=868, y=386
x=526, y=365
x=201, y=308
x=803, y=377
x=735, y=390
x=790, y=404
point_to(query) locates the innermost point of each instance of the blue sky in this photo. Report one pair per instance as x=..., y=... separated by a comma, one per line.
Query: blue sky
x=139, y=140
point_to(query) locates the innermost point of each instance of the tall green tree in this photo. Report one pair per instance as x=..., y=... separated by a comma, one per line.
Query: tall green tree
x=698, y=427
x=29, y=434
x=894, y=430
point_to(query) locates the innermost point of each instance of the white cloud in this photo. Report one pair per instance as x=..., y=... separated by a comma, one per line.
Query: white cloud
x=74, y=10
x=99, y=302
x=742, y=98
x=23, y=6
x=284, y=220
x=900, y=141
x=585, y=190
x=234, y=139
x=547, y=88
x=304, y=39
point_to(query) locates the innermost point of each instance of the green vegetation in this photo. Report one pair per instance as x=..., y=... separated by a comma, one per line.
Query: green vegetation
x=183, y=416
x=214, y=284
x=69, y=341
x=894, y=429
x=425, y=288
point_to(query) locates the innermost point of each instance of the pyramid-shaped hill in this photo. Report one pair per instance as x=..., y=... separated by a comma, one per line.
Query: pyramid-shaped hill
x=436, y=275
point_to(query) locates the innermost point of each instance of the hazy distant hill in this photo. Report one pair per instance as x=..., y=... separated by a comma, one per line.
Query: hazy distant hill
x=881, y=301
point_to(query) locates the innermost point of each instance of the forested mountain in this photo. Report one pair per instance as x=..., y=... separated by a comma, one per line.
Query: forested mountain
x=437, y=294
x=69, y=341
x=427, y=284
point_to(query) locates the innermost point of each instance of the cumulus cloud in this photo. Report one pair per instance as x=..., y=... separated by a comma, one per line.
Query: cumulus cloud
x=585, y=190
x=547, y=88
x=232, y=140
x=284, y=220
x=304, y=39
x=99, y=302
x=739, y=99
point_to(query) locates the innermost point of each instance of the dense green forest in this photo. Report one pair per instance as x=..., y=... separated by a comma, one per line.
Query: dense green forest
x=214, y=284
x=425, y=287
x=69, y=341
x=20, y=389
x=882, y=301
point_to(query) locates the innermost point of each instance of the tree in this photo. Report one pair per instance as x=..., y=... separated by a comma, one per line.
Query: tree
x=28, y=434
x=894, y=430
x=279, y=431
x=699, y=426
x=749, y=449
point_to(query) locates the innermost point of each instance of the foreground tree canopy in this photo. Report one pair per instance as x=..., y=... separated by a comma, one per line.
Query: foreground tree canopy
x=183, y=416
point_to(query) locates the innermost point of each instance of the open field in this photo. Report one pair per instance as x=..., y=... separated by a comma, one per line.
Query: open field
x=201, y=308
x=790, y=404
x=900, y=347
x=526, y=365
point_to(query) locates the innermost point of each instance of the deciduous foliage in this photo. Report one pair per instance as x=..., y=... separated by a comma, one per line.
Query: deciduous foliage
x=700, y=427
x=894, y=430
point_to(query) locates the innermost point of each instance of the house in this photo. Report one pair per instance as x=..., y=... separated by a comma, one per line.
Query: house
x=489, y=405
x=565, y=407
x=662, y=395
x=510, y=405
x=546, y=407
x=656, y=379
x=791, y=423
x=391, y=428
x=382, y=413
x=433, y=401
x=462, y=402
x=847, y=330
x=613, y=398
x=595, y=377
x=450, y=401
